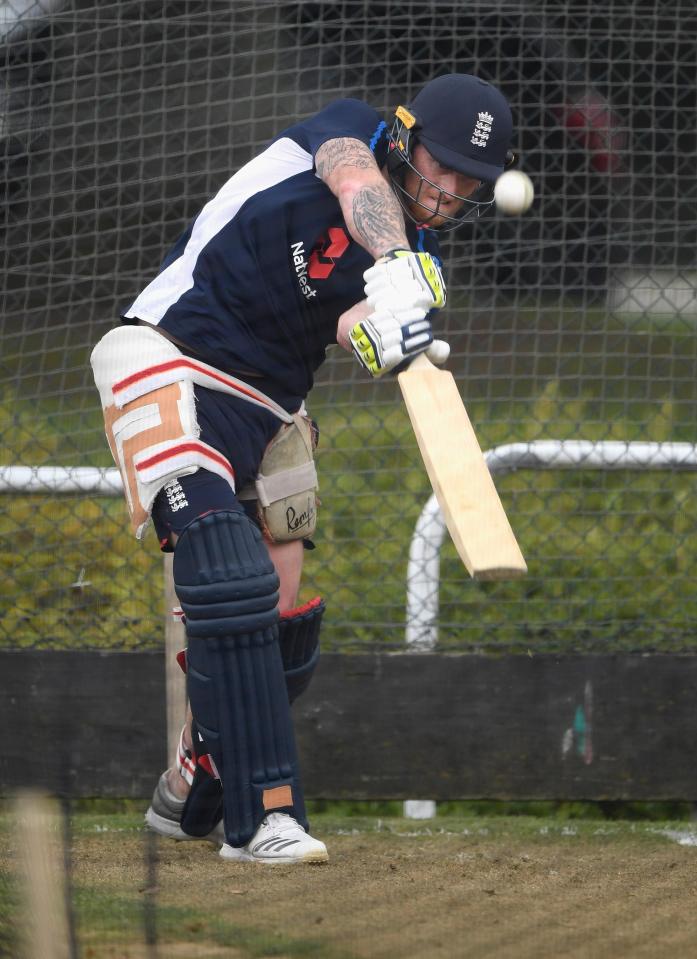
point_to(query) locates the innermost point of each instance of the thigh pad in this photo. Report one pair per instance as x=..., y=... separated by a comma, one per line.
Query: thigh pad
x=287, y=483
x=147, y=393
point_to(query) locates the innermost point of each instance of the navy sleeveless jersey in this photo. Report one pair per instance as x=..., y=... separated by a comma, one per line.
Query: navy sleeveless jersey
x=259, y=280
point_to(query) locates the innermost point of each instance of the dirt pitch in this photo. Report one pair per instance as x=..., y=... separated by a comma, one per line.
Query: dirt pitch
x=495, y=888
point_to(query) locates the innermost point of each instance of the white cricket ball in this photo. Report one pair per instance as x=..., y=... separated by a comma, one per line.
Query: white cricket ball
x=514, y=192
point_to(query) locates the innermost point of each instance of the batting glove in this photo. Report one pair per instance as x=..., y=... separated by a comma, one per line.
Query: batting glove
x=408, y=275
x=387, y=338
x=402, y=287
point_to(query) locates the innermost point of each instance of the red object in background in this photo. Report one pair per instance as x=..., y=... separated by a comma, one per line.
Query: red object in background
x=592, y=122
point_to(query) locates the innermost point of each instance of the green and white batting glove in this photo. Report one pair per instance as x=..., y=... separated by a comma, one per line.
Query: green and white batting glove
x=414, y=276
x=402, y=288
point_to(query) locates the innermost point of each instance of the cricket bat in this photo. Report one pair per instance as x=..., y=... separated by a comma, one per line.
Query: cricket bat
x=460, y=478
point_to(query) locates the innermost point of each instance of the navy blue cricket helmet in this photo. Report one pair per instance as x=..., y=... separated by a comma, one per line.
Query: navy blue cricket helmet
x=465, y=123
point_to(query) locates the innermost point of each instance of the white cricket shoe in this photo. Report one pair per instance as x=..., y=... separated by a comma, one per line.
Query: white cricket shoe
x=279, y=839
x=165, y=812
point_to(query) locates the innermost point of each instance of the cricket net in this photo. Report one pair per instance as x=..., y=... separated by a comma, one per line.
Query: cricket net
x=576, y=321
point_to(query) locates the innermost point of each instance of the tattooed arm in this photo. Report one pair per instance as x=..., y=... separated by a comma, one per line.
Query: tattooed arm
x=371, y=210
x=392, y=323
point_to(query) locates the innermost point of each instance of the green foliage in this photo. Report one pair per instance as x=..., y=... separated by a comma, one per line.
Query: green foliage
x=72, y=574
x=610, y=554
x=74, y=577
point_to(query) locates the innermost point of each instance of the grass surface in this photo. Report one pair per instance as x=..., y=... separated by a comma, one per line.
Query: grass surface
x=476, y=885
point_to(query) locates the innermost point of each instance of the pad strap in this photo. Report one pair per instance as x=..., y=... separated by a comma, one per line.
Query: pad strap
x=297, y=479
x=130, y=361
x=185, y=760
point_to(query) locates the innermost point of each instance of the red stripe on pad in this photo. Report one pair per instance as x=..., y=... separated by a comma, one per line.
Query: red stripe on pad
x=189, y=364
x=186, y=448
x=305, y=608
x=206, y=763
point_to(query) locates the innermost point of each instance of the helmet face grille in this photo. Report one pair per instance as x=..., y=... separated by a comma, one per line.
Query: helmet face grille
x=399, y=160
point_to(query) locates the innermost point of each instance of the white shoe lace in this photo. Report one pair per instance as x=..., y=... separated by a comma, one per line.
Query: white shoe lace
x=281, y=823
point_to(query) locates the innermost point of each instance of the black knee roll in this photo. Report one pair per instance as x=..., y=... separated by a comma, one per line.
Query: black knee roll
x=298, y=637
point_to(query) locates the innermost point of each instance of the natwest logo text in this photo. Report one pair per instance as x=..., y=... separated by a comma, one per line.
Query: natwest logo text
x=297, y=251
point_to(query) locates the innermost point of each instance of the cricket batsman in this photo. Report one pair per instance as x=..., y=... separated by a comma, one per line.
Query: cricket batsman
x=330, y=234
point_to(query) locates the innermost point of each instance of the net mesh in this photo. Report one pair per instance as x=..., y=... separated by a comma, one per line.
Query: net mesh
x=577, y=321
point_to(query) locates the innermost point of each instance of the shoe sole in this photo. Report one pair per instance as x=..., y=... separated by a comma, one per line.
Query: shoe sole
x=172, y=830
x=232, y=854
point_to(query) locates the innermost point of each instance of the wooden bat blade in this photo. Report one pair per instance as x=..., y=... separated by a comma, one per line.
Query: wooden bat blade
x=460, y=478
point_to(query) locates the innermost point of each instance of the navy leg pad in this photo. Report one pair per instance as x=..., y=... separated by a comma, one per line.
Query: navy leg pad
x=298, y=637
x=228, y=589
x=224, y=577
